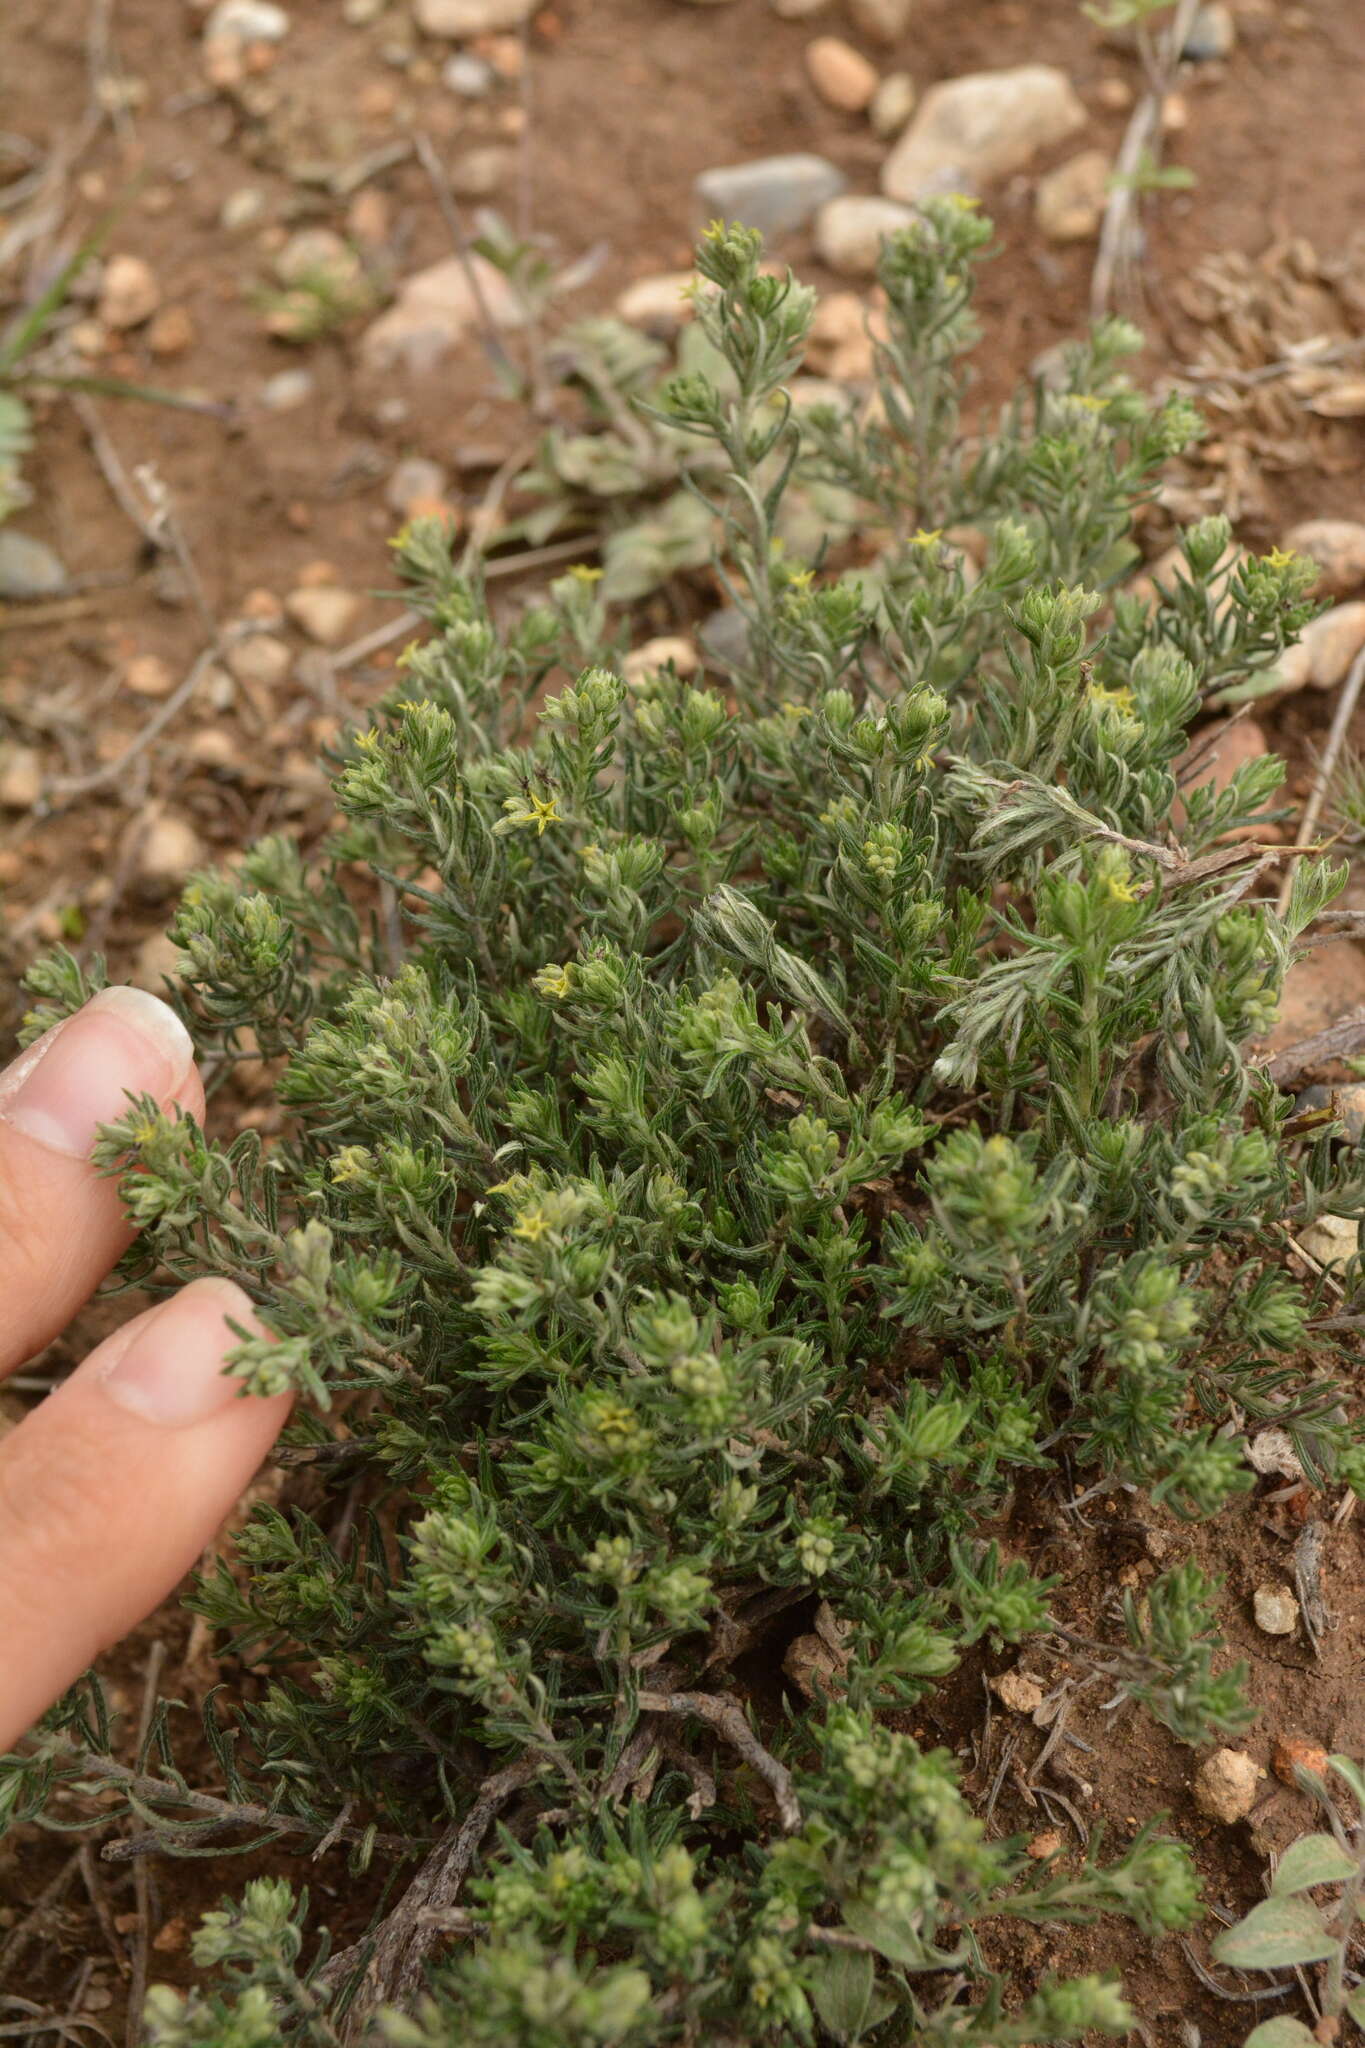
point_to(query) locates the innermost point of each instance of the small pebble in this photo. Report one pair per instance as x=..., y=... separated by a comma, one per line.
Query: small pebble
x=416, y=480
x=1213, y=34
x=1225, y=1785
x=1070, y=201
x=653, y=655
x=1045, y=1846
x=287, y=390
x=1018, y=1692
x=21, y=778
x=885, y=21
x=892, y=104
x=479, y=173
x=167, y=849
x=1295, y=1753
x=473, y=78
x=657, y=304
x=840, y=74
x=1275, y=1609
x=1329, y=1239
x=171, y=332
x=1338, y=548
x=324, y=614
x=29, y=568
x=261, y=659
x=849, y=232
x=147, y=675
x=242, y=209
x=129, y=293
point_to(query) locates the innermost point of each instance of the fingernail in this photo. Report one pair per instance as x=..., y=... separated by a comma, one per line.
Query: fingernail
x=80, y=1074
x=171, y=1371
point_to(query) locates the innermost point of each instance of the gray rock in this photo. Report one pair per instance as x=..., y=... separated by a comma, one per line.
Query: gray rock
x=28, y=567
x=1350, y=1105
x=478, y=172
x=287, y=390
x=772, y=193
x=473, y=78
x=167, y=848
x=849, y=232
x=323, y=611
x=974, y=129
x=461, y=20
x=724, y=638
x=1213, y=33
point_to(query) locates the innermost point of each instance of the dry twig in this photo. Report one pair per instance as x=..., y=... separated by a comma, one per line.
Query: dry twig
x=727, y=1718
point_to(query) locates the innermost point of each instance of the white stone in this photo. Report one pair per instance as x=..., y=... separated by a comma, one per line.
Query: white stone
x=1225, y=1785
x=460, y=20
x=849, y=232
x=1276, y=1610
x=971, y=130
x=246, y=21
x=1330, y=1239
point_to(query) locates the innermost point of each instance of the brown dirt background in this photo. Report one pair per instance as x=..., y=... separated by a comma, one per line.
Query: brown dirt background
x=622, y=103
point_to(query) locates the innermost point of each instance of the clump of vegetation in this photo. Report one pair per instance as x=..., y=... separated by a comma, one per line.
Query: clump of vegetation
x=739, y=1135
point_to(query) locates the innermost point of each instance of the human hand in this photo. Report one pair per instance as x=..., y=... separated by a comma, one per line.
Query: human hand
x=112, y=1486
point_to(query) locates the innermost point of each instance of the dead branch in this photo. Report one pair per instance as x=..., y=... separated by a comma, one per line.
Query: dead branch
x=727, y=1718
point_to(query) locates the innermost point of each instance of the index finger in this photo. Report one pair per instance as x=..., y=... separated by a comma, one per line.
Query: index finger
x=61, y=1222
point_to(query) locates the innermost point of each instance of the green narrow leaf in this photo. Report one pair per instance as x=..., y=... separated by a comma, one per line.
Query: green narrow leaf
x=1275, y=1933
x=1313, y=1859
x=1355, y=2005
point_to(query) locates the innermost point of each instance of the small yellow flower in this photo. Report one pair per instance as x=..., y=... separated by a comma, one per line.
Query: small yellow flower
x=1120, y=889
x=963, y=201
x=926, y=537
x=1280, y=558
x=800, y=579
x=583, y=572
x=349, y=1165
x=554, y=982
x=367, y=741
x=1121, y=700
x=532, y=1225
x=539, y=811
x=1088, y=401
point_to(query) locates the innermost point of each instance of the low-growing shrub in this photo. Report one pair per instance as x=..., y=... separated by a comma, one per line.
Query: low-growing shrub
x=738, y=1136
